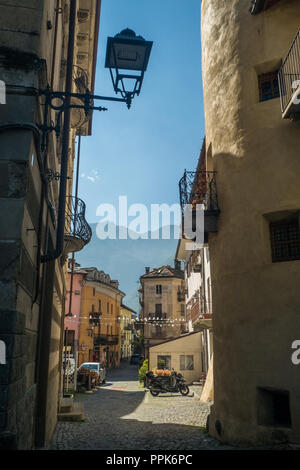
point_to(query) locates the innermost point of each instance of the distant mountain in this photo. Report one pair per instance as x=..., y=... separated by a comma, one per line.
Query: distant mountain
x=125, y=260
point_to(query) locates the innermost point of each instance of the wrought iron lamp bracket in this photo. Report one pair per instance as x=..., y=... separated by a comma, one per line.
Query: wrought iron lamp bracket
x=57, y=101
x=53, y=175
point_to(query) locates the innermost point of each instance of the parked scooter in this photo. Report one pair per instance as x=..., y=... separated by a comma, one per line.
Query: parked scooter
x=175, y=383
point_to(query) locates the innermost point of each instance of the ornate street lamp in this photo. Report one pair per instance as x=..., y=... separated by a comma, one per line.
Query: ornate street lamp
x=127, y=51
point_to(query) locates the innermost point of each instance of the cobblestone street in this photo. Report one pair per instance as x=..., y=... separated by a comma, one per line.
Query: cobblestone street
x=123, y=416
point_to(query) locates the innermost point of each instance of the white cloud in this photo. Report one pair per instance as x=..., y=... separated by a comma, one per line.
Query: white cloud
x=92, y=177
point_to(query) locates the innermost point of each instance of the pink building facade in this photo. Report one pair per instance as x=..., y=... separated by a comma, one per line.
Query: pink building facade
x=72, y=323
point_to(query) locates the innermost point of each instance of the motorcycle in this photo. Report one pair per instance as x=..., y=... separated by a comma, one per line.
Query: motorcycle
x=175, y=383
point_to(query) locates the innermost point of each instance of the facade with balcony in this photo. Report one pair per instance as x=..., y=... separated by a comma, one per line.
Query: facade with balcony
x=198, y=293
x=94, y=316
x=255, y=255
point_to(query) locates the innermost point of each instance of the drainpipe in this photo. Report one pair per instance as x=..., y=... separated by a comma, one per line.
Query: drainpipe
x=58, y=11
x=65, y=142
x=76, y=196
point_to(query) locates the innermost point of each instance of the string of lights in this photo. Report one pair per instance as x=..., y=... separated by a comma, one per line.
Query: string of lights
x=145, y=321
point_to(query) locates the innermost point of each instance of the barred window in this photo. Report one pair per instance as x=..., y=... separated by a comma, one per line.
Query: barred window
x=285, y=240
x=186, y=362
x=268, y=86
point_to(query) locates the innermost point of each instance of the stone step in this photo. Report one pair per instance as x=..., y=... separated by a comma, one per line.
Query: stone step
x=66, y=405
x=76, y=415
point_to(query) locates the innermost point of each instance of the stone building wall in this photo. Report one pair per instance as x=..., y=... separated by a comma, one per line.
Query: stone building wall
x=31, y=293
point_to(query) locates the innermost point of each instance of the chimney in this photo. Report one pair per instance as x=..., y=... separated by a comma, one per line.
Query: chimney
x=147, y=269
x=177, y=265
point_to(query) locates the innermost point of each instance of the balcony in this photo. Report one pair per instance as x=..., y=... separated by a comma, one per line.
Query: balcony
x=203, y=321
x=289, y=82
x=128, y=327
x=257, y=6
x=199, y=187
x=139, y=324
x=81, y=82
x=78, y=233
x=105, y=340
x=94, y=318
x=154, y=317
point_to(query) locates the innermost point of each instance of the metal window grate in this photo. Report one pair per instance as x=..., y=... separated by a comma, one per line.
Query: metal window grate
x=268, y=86
x=285, y=241
x=186, y=362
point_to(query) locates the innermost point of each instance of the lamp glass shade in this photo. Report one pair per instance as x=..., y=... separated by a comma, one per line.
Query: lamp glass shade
x=128, y=51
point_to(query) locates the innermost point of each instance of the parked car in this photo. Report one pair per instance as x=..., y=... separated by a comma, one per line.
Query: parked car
x=97, y=367
x=135, y=359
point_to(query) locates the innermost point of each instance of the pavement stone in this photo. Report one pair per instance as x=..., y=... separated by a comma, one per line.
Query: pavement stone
x=124, y=416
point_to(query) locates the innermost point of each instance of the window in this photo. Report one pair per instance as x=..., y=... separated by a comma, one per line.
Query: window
x=158, y=289
x=268, y=86
x=111, y=308
x=158, y=310
x=164, y=362
x=159, y=331
x=285, y=240
x=186, y=362
x=107, y=307
x=274, y=408
x=94, y=292
x=99, y=306
x=70, y=338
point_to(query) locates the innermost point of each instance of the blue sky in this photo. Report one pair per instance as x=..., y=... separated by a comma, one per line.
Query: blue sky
x=143, y=152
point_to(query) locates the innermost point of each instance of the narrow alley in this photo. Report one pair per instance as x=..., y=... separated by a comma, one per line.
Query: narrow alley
x=122, y=416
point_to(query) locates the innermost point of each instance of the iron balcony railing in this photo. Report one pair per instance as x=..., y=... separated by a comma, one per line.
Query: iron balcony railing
x=95, y=318
x=289, y=74
x=76, y=224
x=80, y=79
x=155, y=317
x=199, y=187
x=258, y=6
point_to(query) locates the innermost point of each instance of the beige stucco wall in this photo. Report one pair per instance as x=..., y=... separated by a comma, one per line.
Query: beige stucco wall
x=256, y=302
x=186, y=345
x=170, y=306
x=126, y=335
